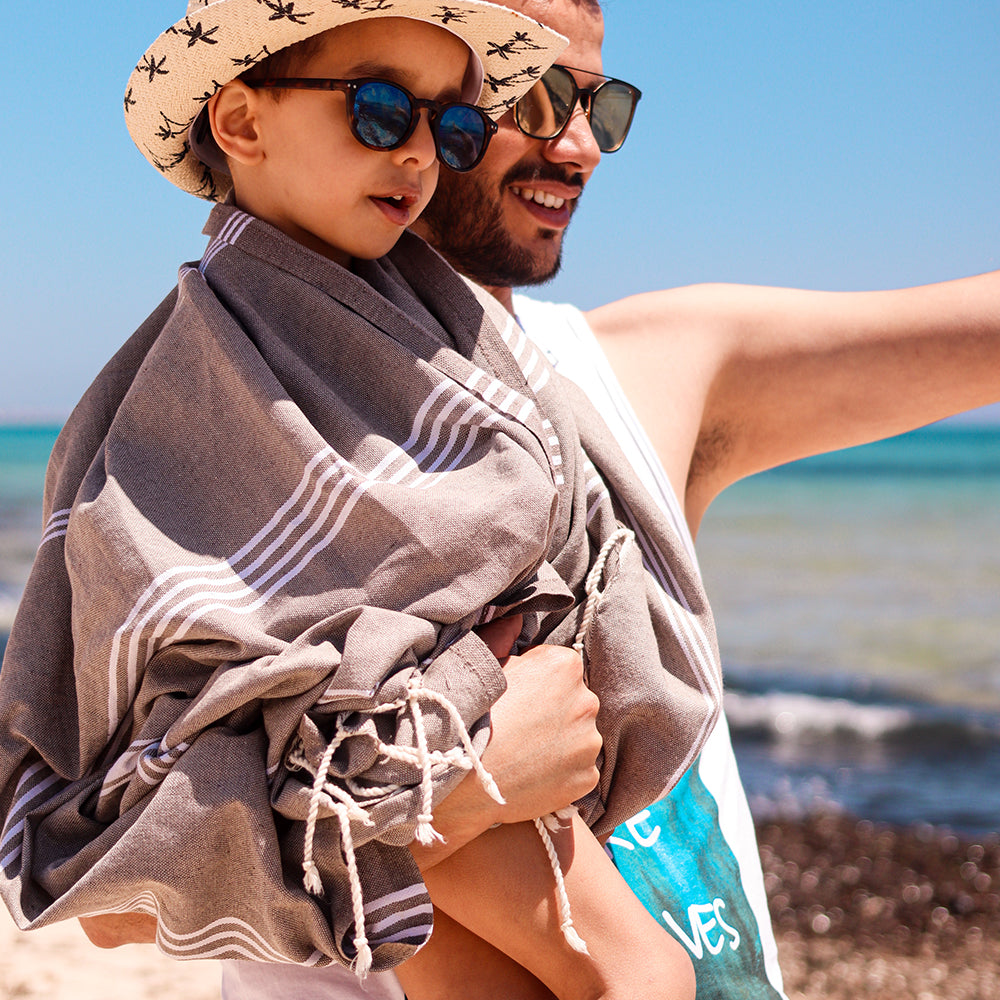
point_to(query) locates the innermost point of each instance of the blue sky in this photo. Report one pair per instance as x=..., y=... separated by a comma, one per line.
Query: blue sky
x=808, y=143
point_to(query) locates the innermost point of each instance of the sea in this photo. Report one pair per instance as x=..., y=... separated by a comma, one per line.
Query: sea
x=857, y=602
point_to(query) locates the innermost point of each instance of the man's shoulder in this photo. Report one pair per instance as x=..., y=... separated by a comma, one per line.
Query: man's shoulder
x=662, y=312
x=534, y=309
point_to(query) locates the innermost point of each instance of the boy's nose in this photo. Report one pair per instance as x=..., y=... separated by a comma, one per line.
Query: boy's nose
x=419, y=148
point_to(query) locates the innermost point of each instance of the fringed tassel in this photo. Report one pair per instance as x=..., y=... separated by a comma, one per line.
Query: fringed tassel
x=363, y=953
x=573, y=939
x=477, y=765
x=345, y=812
x=311, y=879
x=622, y=537
x=347, y=809
x=553, y=820
x=425, y=833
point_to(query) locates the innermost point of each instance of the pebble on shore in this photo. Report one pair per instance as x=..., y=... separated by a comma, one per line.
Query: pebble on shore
x=871, y=912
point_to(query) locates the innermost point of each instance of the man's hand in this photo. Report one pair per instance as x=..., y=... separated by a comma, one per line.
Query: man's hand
x=110, y=930
x=545, y=744
x=543, y=750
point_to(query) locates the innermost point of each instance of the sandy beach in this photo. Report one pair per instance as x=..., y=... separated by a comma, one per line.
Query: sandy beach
x=862, y=911
x=59, y=963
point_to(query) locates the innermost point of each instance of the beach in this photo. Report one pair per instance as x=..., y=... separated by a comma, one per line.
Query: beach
x=861, y=911
x=59, y=963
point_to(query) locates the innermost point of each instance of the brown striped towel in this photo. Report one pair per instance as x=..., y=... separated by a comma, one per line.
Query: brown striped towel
x=246, y=647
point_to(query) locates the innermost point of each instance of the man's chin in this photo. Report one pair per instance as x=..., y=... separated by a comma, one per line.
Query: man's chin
x=466, y=224
x=498, y=260
x=546, y=263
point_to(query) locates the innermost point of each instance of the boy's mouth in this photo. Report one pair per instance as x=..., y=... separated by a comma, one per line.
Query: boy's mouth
x=397, y=207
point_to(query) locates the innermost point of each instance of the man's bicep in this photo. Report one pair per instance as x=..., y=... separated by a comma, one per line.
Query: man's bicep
x=730, y=380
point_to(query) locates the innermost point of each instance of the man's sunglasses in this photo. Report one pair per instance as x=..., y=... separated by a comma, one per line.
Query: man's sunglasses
x=546, y=109
x=383, y=115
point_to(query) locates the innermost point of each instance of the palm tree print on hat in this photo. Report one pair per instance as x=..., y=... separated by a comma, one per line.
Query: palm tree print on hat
x=248, y=60
x=286, y=10
x=449, y=14
x=519, y=43
x=195, y=33
x=360, y=5
x=153, y=67
x=497, y=83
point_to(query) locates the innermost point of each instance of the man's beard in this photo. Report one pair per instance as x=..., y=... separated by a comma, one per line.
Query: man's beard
x=464, y=223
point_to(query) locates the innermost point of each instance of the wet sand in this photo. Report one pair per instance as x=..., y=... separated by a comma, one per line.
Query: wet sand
x=861, y=912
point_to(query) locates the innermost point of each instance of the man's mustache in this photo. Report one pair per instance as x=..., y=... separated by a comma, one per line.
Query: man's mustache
x=526, y=174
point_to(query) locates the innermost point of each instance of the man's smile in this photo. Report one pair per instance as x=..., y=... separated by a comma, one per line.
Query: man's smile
x=548, y=202
x=539, y=197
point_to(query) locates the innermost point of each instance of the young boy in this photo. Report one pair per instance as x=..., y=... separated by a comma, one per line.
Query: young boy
x=280, y=513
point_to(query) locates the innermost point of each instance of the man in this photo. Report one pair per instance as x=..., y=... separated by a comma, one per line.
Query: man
x=727, y=381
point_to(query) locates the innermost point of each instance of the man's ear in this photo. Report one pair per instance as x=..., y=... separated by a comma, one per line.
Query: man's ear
x=233, y=114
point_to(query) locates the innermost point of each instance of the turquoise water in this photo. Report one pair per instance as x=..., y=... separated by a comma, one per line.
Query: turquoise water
x=881, y=562
x=24, y=452
x=857, y=598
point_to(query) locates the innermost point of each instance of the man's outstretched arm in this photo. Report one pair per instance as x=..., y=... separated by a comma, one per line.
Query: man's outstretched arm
x=729, y=380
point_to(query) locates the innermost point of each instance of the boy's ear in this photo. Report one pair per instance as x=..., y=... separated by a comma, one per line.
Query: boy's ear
x=233, y=113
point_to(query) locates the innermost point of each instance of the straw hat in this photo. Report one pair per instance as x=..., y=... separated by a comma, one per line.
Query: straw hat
x=220, y=39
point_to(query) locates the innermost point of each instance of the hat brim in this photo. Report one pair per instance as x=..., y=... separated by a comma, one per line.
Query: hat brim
x=216, y=42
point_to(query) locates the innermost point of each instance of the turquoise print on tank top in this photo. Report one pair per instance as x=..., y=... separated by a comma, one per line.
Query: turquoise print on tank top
x=676, y=860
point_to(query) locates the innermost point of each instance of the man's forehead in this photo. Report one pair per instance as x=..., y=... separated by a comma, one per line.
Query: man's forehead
x=580, y=21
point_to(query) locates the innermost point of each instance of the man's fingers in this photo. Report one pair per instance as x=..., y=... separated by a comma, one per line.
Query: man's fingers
x=501, y=635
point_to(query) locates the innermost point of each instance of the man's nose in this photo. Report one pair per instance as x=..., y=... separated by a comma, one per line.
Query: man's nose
x=575, y=144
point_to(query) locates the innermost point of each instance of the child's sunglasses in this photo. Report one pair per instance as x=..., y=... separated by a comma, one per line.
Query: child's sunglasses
x=383, y=115
x=546, y=109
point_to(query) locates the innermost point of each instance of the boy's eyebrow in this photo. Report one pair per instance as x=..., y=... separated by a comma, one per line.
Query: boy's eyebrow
x=396, y=74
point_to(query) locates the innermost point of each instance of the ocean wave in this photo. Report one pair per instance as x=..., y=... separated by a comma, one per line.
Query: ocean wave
x=893, y=759
x=790, y=717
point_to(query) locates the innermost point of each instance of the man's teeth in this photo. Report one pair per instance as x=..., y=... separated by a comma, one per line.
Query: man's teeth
x=539, y=197
x=395, y=197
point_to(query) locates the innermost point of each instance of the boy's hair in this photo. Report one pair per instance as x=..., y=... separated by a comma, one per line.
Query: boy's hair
x=285, y=62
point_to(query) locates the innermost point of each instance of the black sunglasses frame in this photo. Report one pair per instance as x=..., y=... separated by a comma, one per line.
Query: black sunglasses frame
x=351, y=88
x=586, y=97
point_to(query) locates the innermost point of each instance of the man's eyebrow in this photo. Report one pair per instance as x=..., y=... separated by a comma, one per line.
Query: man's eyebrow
x=396, y=74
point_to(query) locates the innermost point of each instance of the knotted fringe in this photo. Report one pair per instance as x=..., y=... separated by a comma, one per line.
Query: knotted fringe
x=551, y=821
x=425, y=832
x=346, y=808
x=543, y=824
x=621, y=539
x=345, y=812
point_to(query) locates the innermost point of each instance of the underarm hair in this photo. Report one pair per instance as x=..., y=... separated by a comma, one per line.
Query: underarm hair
x=711, y=448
